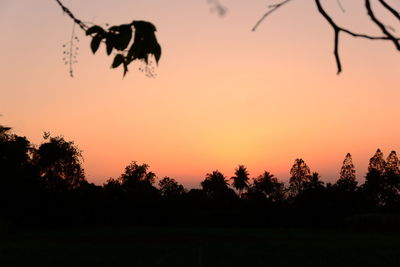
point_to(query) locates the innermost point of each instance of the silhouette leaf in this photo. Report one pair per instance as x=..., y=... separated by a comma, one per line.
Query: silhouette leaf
x=122, y=35
x=114, y=29
x=125, y=68
x=144, y=26
x=119, y=37
x=94, y=45
x=118, y=60
x=95, y=29
x=145, y=42
x=109, y=43
x=157, y=52
x=125, y=35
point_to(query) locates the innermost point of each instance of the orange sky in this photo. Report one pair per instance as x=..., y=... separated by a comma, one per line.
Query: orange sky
x=223, y=95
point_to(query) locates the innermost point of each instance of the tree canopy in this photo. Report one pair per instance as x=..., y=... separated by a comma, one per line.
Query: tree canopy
x=47, y=184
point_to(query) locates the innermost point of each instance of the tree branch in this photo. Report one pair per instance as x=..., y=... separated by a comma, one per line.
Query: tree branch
x=337, y=29
x=380, y=25
x=391, y=9
x=336, y=52
x=272, y=9
x=341, y=6
x=82, y=25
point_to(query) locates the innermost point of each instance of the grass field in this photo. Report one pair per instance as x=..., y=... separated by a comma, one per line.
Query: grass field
x=198, y=247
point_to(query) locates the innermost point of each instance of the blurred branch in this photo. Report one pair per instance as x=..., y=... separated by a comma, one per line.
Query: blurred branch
x=272, y=8
x=341, y=6
x=218, y=7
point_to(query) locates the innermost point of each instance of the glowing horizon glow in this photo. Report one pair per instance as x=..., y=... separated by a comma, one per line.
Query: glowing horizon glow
x=223, y=95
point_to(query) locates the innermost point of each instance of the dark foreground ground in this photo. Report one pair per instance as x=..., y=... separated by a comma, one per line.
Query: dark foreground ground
x=125, y=246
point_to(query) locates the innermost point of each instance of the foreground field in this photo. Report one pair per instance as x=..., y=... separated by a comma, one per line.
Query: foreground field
x=198, y=247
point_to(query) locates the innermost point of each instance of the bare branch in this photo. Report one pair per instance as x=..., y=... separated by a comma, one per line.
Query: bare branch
x=391, y=9
x=273, y=8
x=390, y=28
x=218, y=7
x=381, y=25
x=337, y=29
x=341, y=6
x=336, y=52
x=82, y=25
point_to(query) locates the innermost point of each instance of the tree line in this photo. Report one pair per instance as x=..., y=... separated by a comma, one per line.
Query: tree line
x=45, y=185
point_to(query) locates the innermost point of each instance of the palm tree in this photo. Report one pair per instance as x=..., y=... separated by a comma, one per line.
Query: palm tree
x=214, y=181
x=269, y=186
x=241, y=178
x=216, y=185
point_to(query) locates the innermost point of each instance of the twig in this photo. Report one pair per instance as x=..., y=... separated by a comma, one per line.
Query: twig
x=337, y=29
x=69, y=13
x=273, y=8
x=381, y=25
x=218, y=7
x=341, y=6
x=387, y=36
x=391, y=9
x=71, y=52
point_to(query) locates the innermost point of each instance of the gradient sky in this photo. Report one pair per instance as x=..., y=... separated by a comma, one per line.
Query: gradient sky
x=223, y=95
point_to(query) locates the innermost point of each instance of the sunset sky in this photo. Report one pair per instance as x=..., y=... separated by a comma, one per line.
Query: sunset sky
x=222, y=96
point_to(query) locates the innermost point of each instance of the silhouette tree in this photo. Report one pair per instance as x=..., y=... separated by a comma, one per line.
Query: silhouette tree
x=174, y=201
x=170, y=188
x=311, y=200
x=373, y=188
x=268, y=186
x=344, y=192
x=392, y=163
x=137, y=182
x=215, y=185
x=241, y=178
x=60, y=163
x=195, y=198
x=14, y=152
x=300, y=175
x=4, y=132
x=314, y=182
x=347, y=181
x=132, y=198
x=377, y=162
x=381, y=182
x=392, y=179
x=113, y=189
x=19, y=183
x=214, y=181
x=135, y=173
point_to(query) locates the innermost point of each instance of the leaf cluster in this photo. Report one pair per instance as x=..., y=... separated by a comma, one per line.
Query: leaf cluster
x=134, y=41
